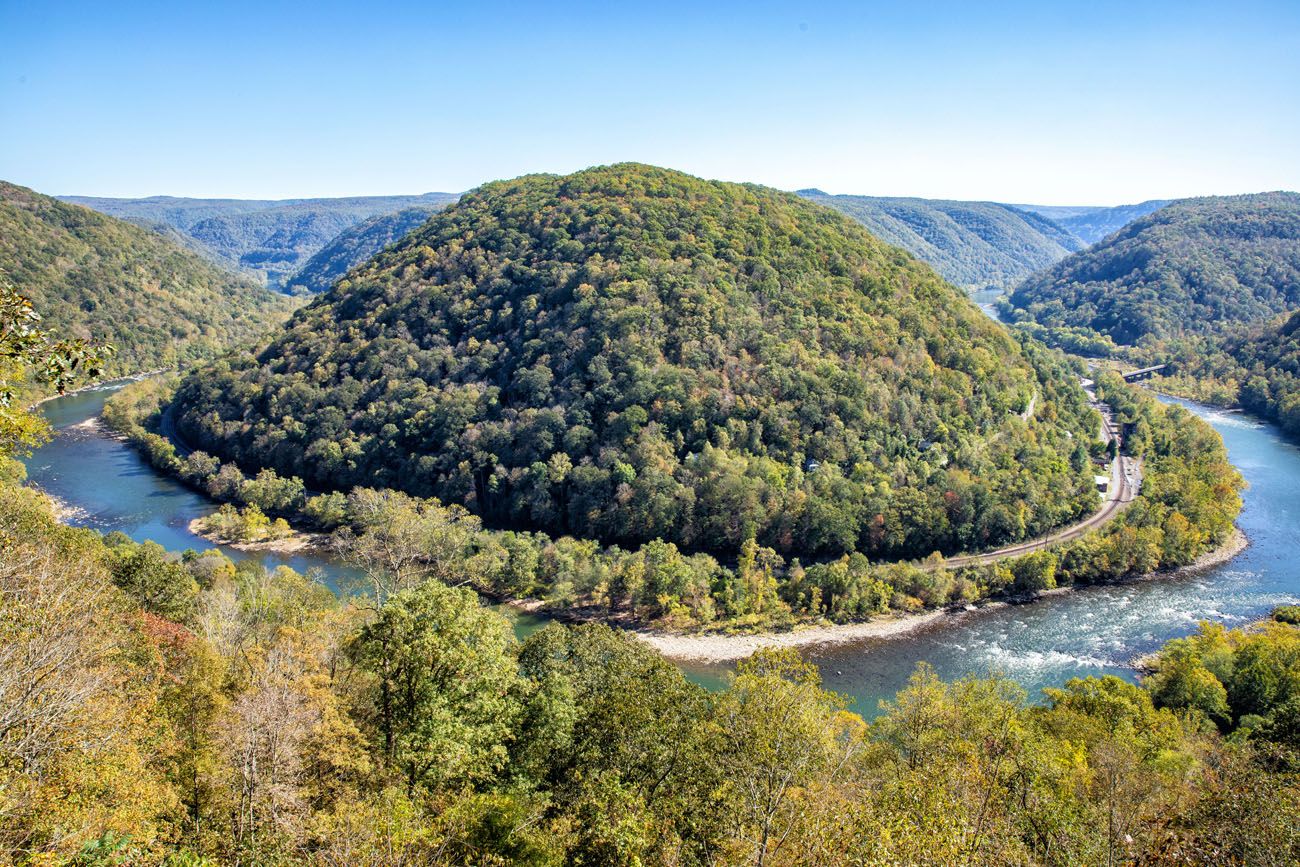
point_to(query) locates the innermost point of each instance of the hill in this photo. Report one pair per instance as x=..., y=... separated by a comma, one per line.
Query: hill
x=265, y=238
x=1270, y=372
x=976, y=245
x=354, y=246
x=1256, y=368
x=1198, y=266
x=1091, y=224
x=630, y=353
x=93, y=276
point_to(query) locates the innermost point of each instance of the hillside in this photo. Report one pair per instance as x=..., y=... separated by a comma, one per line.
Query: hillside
x=1091, y=224
x=265, y=238
x=1198, y=266
x=1270, y=365
x=354, y=246
x=976, y=245
x=1256, y=368
x=90, y=275
x=629, y=353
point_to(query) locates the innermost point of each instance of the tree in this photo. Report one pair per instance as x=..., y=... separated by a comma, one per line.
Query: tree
x=1034, y=572
x=778, y=731
x=159, y=584
x=613, y=732
x=80, y=726
x=27, y=353
x=443, y=668
x=400, y=542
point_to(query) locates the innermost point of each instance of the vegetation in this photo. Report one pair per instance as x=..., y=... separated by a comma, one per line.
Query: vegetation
x=1188, y=505
x=1092, y=224
x=975, y=245
x=1257, y=369
x=30, y=358
x=629, y=354
x=195, y=711
x=185, y=710
x=267, y=240
x=354, y=246
x=1196, y=267
x=249, y=524
x=93, y=277
x=1287, y=614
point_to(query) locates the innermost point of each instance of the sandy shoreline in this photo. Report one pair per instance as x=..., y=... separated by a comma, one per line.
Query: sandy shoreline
x=294, y=543
x=728, y=648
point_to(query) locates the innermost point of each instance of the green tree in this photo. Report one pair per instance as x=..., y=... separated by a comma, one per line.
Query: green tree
x=778, y=732
x=29, y=354
x=443, y=670
x=156, y=581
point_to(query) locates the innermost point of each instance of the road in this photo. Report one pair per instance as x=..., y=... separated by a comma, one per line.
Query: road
x=1119, y=493
x=1125, y=477
x=167, y=429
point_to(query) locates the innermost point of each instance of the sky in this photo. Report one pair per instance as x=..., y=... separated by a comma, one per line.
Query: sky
x=1086, y=103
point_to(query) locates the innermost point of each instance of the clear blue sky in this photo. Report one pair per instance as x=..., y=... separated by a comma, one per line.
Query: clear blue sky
x=1078, y=103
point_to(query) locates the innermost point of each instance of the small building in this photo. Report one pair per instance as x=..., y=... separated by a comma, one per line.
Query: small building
x=1103, y=483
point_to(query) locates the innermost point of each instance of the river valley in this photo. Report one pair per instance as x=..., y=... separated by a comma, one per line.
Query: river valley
x=107, y=486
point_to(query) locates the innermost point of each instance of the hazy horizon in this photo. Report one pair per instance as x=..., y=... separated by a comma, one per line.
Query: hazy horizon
x=412, y=192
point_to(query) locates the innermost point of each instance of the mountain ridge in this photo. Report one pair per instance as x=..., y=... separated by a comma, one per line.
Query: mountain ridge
x=94, y=276
x=268, y=239
x=975, y=245
x=354, y=246
x=1197, y=266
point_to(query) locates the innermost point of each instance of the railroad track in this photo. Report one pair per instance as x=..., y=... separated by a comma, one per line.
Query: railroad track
x=1120, y=493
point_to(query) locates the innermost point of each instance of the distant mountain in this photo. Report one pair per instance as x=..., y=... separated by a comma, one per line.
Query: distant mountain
x=1197, y=266
x=354, y=246
x=1091, y=224
x=91, y=275
x=266, y=238
x=976, y=245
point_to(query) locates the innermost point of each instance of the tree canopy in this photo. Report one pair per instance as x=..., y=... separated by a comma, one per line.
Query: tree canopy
x=629, y=353
x=1198, y=266
x=90, y=276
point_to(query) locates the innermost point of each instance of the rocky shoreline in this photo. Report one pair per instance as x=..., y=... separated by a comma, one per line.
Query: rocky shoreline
x=728, y=648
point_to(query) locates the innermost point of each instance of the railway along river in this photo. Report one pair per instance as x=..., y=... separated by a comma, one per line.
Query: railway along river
x=107, y=486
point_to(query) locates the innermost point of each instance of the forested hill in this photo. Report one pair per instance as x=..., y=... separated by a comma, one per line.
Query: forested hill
x=1091, y=224
x=354, y=246
x=90, y=275
x=265, y=238
x=1198, y=266
x=1257, y=368
x=976, y=245
x=631, y=353
x=1270, y=372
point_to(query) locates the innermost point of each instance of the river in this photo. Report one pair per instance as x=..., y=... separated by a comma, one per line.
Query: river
x=1096, y=630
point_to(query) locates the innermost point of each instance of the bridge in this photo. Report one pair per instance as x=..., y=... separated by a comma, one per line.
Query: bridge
x=1143, y=373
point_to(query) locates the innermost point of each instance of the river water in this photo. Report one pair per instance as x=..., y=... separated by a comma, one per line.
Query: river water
x=1096, y=630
